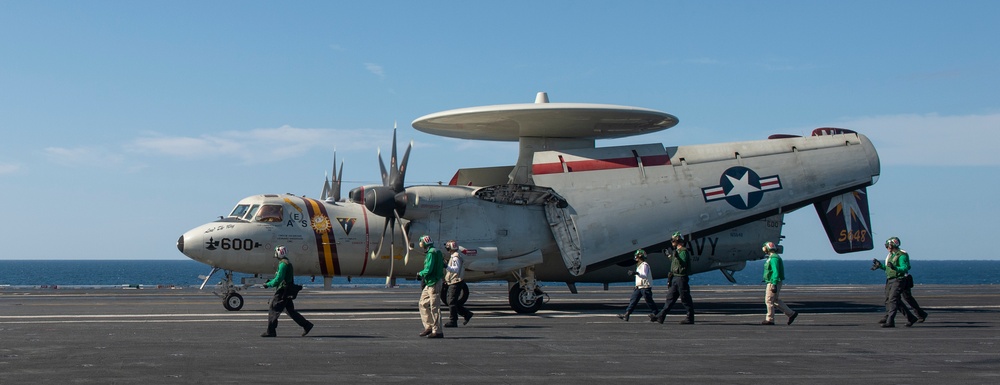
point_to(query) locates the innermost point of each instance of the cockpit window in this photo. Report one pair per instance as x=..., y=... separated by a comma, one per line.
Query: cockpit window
x=251, y=212
x=239, y=211
x=269, y=213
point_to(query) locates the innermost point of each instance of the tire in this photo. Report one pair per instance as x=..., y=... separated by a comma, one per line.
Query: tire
x=521, y=303
x=233, y=302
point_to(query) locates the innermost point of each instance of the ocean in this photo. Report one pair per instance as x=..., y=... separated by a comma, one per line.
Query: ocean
x=184, y=273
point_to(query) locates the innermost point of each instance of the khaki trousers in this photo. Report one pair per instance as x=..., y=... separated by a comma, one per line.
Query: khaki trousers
x=430, y=307
x=772, y=302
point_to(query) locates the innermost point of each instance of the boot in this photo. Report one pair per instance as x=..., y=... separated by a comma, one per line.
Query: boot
x=623, y=317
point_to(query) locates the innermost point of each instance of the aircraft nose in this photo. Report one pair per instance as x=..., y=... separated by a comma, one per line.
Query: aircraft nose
x=180, y=244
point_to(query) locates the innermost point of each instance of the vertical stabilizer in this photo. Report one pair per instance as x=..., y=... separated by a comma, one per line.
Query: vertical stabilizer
x=846, y=220
x=845, y=217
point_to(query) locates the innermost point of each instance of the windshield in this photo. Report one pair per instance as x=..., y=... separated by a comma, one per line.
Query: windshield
x=251, y=212
x=239, y=211
x=269, y=213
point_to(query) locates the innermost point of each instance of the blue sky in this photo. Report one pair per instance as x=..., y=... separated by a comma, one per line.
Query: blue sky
x=127, y=123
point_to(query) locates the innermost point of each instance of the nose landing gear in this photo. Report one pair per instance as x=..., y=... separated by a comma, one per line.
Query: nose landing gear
x=227, y=290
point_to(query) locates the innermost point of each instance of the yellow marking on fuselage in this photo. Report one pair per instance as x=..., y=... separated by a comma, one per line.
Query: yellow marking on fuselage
x=326, y=252
x=295, y=206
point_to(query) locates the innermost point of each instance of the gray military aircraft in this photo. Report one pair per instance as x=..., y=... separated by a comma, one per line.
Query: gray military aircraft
x=566, y=211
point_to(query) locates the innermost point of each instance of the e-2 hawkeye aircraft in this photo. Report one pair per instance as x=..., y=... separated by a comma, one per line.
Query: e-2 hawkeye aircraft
x=566, y=211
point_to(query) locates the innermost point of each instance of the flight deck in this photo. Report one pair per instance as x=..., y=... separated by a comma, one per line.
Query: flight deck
x=368, y=334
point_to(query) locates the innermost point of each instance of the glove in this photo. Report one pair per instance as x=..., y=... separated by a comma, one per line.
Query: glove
x=774, y=289
x=890, y=265
x=420, y=278
x=630, y=273
x=876, y=264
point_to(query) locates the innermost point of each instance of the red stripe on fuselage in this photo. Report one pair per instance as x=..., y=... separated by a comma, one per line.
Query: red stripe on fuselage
x=599, y=164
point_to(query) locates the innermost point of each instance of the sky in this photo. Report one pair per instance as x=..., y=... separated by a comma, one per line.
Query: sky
x=126, y=123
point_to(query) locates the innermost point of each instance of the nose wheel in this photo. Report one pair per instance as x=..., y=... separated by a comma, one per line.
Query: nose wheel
x=231, y=299
x=233, y=302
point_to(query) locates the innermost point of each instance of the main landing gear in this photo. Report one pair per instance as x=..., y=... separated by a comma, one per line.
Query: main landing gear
x=227, y=290
x=525, y=295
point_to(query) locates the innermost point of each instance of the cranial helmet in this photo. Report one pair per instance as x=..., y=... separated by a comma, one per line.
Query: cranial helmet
x=892, y=242
x=769, y=246
x=676, y=236
x=451, y=245
x=280, y=252
x=640, y=254
x=425, y=241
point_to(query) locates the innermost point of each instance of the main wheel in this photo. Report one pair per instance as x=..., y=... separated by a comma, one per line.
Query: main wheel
x=524, y=302
x=463, y=294
x=233, y=302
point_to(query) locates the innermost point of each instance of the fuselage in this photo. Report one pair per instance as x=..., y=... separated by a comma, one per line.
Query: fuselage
x=329, y=239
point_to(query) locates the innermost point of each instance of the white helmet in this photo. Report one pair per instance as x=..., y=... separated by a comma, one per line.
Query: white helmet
x=280, y=252
x=426, y=242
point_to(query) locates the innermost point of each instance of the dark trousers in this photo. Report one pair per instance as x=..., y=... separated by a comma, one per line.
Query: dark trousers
x=645, y=293
x=893, y=301
x=454, y=308
x=278, y=304
x=678, y=288
x=908, y=299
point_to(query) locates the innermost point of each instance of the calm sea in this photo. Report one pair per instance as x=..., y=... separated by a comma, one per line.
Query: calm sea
x=182, y=273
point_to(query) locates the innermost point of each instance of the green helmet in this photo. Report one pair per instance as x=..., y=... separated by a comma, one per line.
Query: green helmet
x=769, y=246
x=892, y=242
x=676, y=236
x=639, y=254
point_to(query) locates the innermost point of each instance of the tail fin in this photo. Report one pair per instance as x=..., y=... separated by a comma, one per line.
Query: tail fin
x=845, y=217
x=846, y=220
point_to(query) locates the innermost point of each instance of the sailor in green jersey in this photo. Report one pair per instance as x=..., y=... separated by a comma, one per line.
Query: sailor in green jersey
x=897, y=265
x=283, y=279
x=774, y=274
x=431, y=275
x=680, y=267
x=905, y=293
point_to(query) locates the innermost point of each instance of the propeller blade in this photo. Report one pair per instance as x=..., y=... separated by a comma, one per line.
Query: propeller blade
x=337, y=179
x=393, y=168
x=326, y=188
x=397, y=184
x=406, y=256
x=375, y=255
x=392, y=247
x=381, y=166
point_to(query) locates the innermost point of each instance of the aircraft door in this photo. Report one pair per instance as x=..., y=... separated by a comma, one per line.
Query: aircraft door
x=567, y=238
